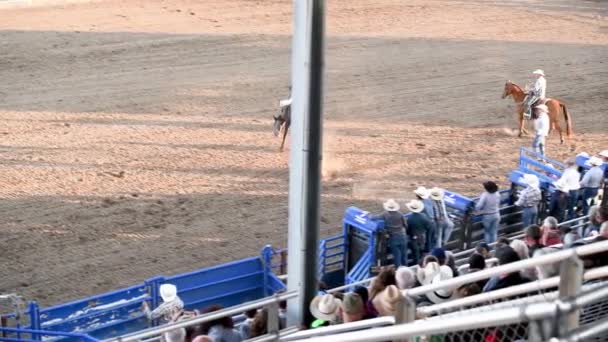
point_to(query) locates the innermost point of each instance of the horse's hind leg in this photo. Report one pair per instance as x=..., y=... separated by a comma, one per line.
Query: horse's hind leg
x=559, y=129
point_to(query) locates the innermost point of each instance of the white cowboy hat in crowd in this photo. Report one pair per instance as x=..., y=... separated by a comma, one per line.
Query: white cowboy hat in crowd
x=168, y=292
x=436, y=194
x=595, y=161
x=604, y=154
x=542, y=108
x=386, y=301
x=325, y=307
x=442, y=295
x=391, y=205
x=405, y=277
x=532, y=180
x=425, y=275
x=415, y=206
x=422, y=192
x=538, y=72
x=561, y=186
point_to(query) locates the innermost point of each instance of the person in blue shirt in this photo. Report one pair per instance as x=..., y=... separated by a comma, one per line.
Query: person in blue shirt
x=591, y=182
x=419, y=228
x=395, y=225
x=488, y=207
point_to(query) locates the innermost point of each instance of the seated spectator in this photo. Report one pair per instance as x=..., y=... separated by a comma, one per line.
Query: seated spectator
x=385, y=278
x=441, y=295
x=405, y=277
x=502, y=241
x=468, y=290
x=521, y=249
x=427, y=259
x=450, y=261
x=352, y=308
x=594, y=221
x=283, y=313
x=259, y=325
x=326, y=309
x=172, y=305
x=550, y=232
x=483, y=249
x=245, y=326
x=425, y=274
x=385, y=302
x=572, y=240
x=202, y=338
x=505, y=256
x=439, y=253
x=362, y=292
x=477, y=263
x=532, y=238
x=221, y=329
x=176, y=335
x=547, y=270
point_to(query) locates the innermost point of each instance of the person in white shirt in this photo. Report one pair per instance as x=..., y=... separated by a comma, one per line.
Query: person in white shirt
x=591, y=182
x=536, y=93
x=541, y=128
x=571, y=177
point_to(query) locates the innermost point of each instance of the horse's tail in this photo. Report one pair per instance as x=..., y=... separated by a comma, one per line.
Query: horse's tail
x=568, y=120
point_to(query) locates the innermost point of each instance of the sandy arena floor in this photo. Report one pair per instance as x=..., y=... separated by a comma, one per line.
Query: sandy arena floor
x=136, y=135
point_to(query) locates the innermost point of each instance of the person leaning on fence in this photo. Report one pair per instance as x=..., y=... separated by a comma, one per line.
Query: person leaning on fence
x=505, y=255
x=245, y=326
x=423, y=194
x=533, y=235
x=172, y=305
x=559, y=201
x=546, y=271
x=528, y=200
x=591, y=182
x=443, y=223
x=541, y=128
x=483, y=249
x=523, y=253
x=571, y=177
x=488, y=208
x=395, y=226
x=419, y=230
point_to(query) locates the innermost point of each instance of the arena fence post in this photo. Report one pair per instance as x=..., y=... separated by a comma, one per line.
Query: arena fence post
x=272, y=324
x=34, y=311
x=267, y=253
x=571, y=279
x=405, y=312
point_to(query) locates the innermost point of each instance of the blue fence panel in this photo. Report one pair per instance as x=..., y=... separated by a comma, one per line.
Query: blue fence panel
x=361, y=270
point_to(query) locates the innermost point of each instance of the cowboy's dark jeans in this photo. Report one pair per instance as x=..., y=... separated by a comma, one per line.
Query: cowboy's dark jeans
x=397, y=245
x=587, y=193
x=415, y=246
x=572, y=203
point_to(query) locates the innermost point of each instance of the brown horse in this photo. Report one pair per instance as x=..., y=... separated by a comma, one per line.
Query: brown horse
x=555, y=107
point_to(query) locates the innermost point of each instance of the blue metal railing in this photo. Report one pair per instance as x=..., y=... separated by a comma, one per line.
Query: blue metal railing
x=38, y=335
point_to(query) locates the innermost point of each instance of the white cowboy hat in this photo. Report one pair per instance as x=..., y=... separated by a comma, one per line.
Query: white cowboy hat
x=405, y=277
x=168, y=292
x=391, y=205
x=415, y=206
x=595, y=161
x=436, y=194
x=538, y=72
x=425, y=275
x=604, y=154
x=325, y=307
x=532, y=180
x=386, y=301
x=542, y=108
x=561, y=186
x=439, y=296
x=422, y=192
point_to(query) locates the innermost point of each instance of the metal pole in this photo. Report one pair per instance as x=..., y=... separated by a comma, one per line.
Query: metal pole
x=305, y=158
x=571, y=279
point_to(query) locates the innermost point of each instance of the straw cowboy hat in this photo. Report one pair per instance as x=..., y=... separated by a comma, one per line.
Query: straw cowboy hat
x=604, y=154
x=561, y=186
x=439, y=296
x=415, y=206
x=405, y=277
x=168, y=292
x=325, y=307
x=436, y=194
x=531, y=180
x=386, y=301
x=542, y=108
x=391, y=205
x=538, y=72
x=595, y=161
x=422, y=192
x=425, y=275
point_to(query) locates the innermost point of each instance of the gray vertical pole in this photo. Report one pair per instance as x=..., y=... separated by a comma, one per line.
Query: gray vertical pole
x=570, y=281
x=305, y=158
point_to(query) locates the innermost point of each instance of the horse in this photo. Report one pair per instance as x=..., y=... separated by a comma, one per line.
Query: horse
x=282, y=123
x=555, y=106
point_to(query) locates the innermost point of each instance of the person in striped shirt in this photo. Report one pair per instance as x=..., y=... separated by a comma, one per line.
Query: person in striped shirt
x=528, y=200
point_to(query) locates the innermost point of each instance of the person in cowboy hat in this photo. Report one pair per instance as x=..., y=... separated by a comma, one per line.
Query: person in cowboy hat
x=172, y=305
x=441, y=295
x=396, y=226
x=571, y=177
x=423, y=194
x=443, y=223
x=536, y=93
x=325, y=308
x=559, y=201
x=419, y=230
x=542, y=125
x=386, y=301
x=591, y=182
x=529, y=198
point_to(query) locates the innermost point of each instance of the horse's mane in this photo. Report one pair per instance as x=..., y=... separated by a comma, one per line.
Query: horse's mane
x=516, y=86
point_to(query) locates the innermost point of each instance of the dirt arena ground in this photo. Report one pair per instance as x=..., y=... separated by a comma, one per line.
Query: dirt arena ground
x=136, y=135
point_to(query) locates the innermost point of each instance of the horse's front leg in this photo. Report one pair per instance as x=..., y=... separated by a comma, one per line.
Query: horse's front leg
x=285, y=129
x=522, y=129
